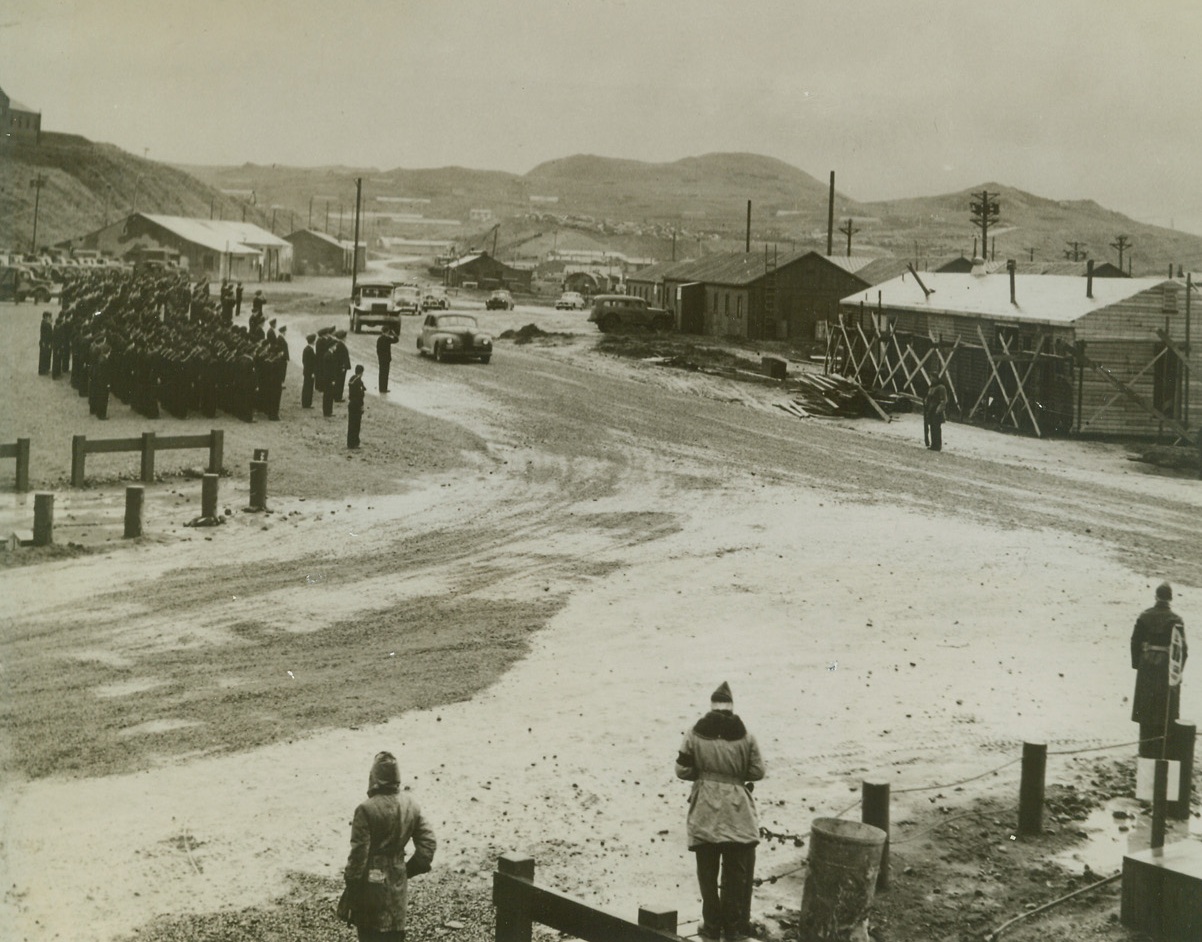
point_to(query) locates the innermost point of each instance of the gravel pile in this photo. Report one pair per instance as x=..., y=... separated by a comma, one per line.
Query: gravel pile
x=451, y=906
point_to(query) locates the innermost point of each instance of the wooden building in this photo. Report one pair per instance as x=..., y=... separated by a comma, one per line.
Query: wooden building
x=18, y=120
x=484, y=271
x=648, y=283
x=763, y=295
x=1043, y=354
x=319, y=253
x=215, y=248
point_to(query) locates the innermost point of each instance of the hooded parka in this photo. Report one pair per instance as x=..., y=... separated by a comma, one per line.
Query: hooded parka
x=720, y=757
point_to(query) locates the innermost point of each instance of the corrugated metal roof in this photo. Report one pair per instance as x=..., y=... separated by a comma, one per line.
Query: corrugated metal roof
x=880, y=270
x=1044, y=299
x=730, y=268
x=653, y=273
x=221, y=235
x=466, y=260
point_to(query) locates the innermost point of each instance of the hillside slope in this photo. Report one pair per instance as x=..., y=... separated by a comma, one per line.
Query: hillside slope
x=85, y=182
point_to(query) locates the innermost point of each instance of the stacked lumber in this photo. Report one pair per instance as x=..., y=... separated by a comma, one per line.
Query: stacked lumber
x=815, y=394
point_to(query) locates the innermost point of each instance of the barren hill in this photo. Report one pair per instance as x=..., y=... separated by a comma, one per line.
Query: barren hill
x=630, y=206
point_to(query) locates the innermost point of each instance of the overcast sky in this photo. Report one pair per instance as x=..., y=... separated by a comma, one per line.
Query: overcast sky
x=1067, y=99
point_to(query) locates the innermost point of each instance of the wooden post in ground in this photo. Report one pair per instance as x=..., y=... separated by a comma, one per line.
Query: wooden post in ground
x=208, y=495
x=258, y=485
x=874, y=810
x=514, y=922
x=43, y=519
x=1030, y=789
x=216, y=450
x=654, y=917
x=22, y=464
x=133, y=510
x=1160, y=791
x=148, y=457
x=1181, y=748
x=79, y=456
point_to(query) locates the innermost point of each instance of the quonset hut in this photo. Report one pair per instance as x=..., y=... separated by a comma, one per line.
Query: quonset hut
x=1043, y=354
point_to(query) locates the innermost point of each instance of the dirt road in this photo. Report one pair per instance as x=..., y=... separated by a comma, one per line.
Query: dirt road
x=597, y=544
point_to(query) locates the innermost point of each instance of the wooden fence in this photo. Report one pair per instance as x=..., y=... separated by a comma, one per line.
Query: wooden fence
x=148, y=444
x=520, y=904
x=20, y=451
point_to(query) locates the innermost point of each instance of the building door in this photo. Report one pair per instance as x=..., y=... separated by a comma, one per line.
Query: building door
x=691, y=305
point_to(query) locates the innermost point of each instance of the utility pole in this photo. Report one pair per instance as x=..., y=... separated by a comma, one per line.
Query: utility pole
x=1121, y=244
x=985, y=211
x=355, y=252
x=310, y=210
x=848, y=231
x=1077, y=253
x=37, y=183
x=830, y=218
x=1030, y=250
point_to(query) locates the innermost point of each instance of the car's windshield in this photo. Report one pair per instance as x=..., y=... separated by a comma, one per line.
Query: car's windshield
x=456, y=320
x=375, y=291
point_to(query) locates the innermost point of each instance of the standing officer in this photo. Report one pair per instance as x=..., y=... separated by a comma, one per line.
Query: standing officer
x=45, y=344
x=722, y=760
x=934, y=411
x=342, y=365
x=384, y=355
x=238, y=299
x=308, y=371
x=354, y=408
x=1157, y=697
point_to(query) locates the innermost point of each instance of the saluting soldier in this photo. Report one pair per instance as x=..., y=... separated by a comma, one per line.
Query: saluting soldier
x=384, y=355
x=342, y=364
x=354, y=409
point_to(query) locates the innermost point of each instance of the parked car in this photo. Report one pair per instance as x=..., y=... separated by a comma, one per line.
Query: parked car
x=407, y=297
x=435, y=299
x=454, y=336
x=374, y=304
x=570, y=301
x=499, y=300
x=18, y=283
x=623, y=311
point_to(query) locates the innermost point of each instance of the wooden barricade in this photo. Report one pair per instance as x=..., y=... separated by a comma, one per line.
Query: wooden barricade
x=520, y=904
x=20, y=451
x=147, y=445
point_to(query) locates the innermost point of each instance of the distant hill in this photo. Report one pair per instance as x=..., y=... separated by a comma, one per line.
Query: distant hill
x=85, y=182
x=693, y=206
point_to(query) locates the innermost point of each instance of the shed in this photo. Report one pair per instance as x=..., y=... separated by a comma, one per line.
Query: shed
x=1043, y=354
x=485, y=271
x=319, y=253
x=214, y=247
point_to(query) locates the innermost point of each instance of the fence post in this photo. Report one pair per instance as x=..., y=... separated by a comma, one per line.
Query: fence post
x=514, y=923
x=258, y=485
x=148, y=457
x=43, y=519
x=22, y=464
x=1181, y=748
x=874, y=810
x=208, y=496
x=1030, y=789
x=79, y=456
x=654, y=917
x=216, y=450
x=133, y=511
x=1160, y=790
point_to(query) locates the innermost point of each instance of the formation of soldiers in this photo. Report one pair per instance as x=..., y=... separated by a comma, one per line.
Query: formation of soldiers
x=156, y=341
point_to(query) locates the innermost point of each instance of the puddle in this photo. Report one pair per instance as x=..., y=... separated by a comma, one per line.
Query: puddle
x=1120, y=826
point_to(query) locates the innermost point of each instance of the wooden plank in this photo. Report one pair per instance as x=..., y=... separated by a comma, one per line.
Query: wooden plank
x=875, y=405
x=572, y=917
x=1118, y=395
x=110, y=445
x=172, y=442
x=993, y=375
x=1139, y=401
x=1022, y=386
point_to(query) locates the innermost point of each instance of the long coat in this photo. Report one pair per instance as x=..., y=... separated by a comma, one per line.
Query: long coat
x=1154, y=629
x=382, y=827
x=720, y=757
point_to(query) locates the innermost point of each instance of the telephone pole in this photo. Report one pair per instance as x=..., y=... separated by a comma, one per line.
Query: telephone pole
x=986, y=210
x=37, y=183
x=848, y=231
x=355, y=251
x=1077, y=253
x=1120, y=244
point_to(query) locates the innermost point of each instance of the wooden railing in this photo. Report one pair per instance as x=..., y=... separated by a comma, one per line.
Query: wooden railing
x=148, y=444
x=520, y=904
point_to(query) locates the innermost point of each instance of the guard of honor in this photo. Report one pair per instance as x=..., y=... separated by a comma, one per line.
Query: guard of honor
x=158, y=343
